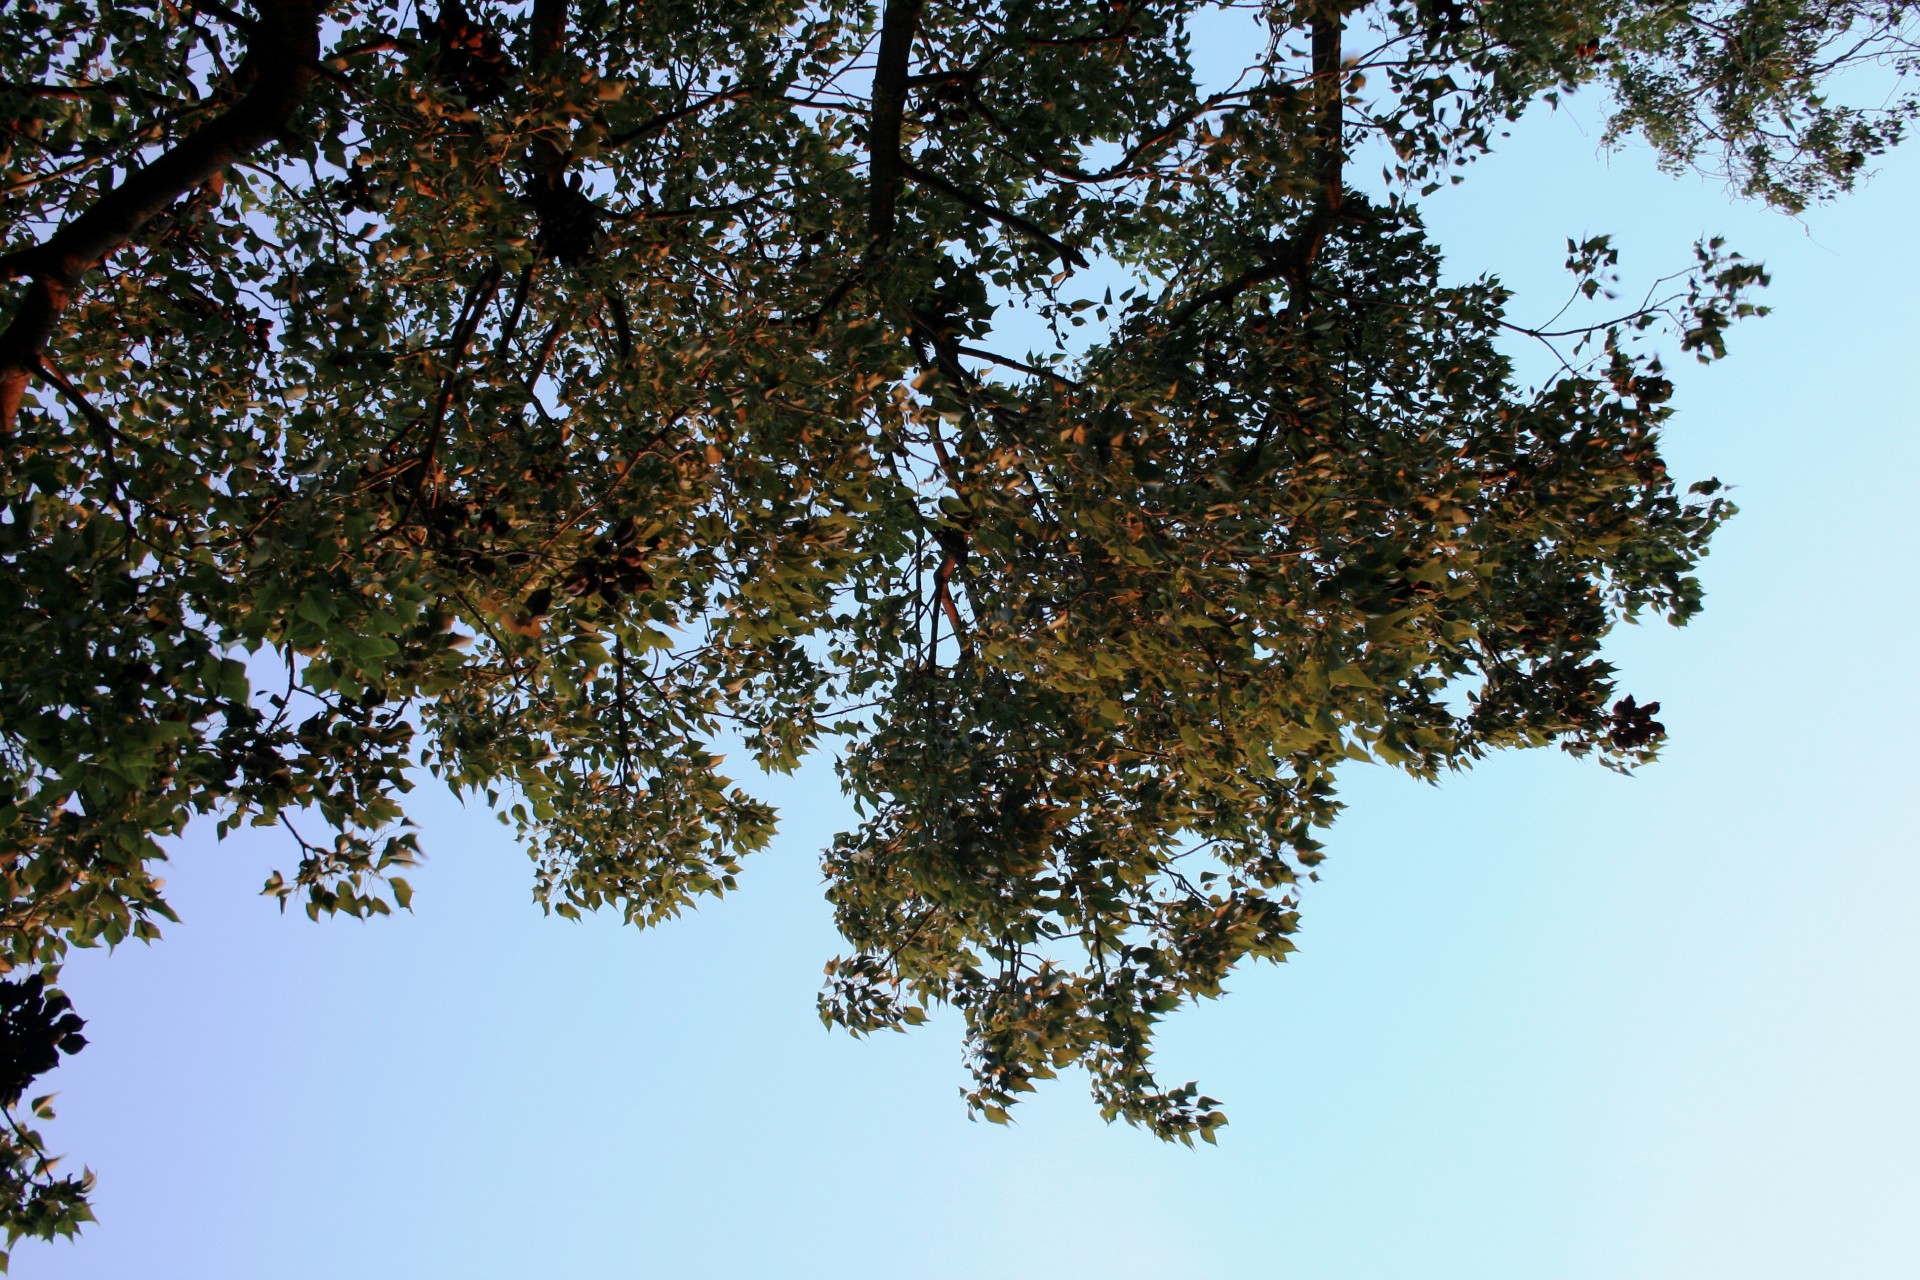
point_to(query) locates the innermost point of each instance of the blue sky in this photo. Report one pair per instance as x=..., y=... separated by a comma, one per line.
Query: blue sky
x=1545, y=1021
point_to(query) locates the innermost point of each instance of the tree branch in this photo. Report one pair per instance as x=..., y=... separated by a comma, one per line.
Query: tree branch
x=546, y=30
x=477, y=302
x=1006, y=362
x=1327, y=87
x=107, y=435
x=666, y=118
x=1275, y=268
x=227, y=14
x=898, y=25
x=284, y=47
x=1034, y=230
x=1294, y=259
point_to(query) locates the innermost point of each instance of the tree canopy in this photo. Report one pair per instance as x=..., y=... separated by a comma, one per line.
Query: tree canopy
x=1080, y=443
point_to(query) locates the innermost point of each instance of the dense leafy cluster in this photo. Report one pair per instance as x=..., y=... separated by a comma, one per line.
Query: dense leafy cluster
x=547, y=392
x=37, y=1026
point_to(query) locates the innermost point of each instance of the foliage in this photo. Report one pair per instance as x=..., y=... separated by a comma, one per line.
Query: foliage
x=36, y=1027
x=548, y=392
x=1754, y=82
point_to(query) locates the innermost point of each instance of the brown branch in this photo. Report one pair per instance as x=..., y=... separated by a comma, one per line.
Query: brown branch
x=107, y=433
x=512, y=325
x=1330, y=91
x=943, y=592
x=232, y=17
x=816, y=319
x=114, y=88
x=666, y=118
x=619, y=478
x=898, y=25
x=1129, y=164
x=1034, y=230
x=463, y=331
x=622, y=325
x=546, y=29
x=472, y=311
x=380, y=44
x=546, y=353
x=691, y=211
x=280, y=57
x=1278, y=266
x=934, y=79
x=992, y=357
x=886, y=119
x=1293, y=259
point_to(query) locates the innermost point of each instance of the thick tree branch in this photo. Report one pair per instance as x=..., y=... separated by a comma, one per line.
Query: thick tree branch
x=1330, y=92
x=943, y=592
x=1293, y=259
x=227, y=14
x=280, y=59
x=898, y=26
x=546, y=28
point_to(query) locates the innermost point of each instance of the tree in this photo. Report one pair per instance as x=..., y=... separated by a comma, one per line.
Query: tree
x=545, y=392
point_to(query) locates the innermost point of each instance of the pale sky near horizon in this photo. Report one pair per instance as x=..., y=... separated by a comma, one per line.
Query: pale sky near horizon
x=1546, y=1022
